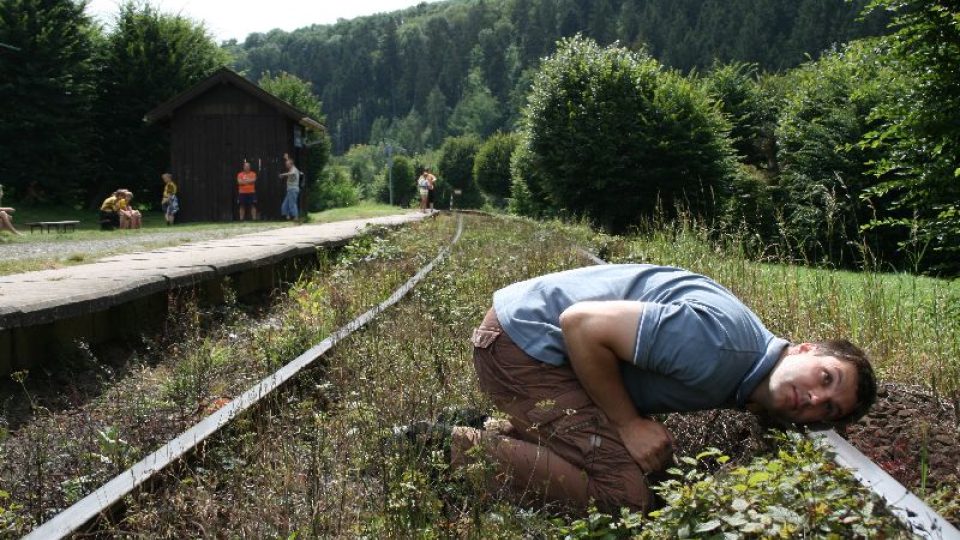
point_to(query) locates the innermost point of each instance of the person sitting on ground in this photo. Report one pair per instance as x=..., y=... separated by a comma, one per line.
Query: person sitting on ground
x=580, y=359
x=170, y=203
x=130, y=217
x=109, y=217
x=247, y=191
x=291, y=201
x=6, y=220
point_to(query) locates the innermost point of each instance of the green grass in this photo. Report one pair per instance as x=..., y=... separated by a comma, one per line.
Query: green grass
x=361, y=211
x=315, y=464
x=89, y=227
x=142, y=239
x=187, y=365
x=909, y=325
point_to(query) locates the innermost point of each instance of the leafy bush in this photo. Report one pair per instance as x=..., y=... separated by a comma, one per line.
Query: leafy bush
x=335, y=189
x=824, y=174
x=798, y=493
x=363, y=162
x=526, y=196
x=404, y=183
x=491, y=169
x=750, y=210
x=922, y=174
x=456, y=171
x=613, y=135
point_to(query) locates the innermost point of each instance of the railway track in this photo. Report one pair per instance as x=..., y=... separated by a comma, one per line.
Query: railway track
x=86, y=511
x=915, y=515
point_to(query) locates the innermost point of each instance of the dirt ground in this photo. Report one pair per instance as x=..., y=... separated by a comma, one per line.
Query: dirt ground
x=907, y=427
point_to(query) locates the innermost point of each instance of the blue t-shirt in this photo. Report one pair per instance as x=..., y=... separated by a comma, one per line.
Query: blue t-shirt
x=697, y=347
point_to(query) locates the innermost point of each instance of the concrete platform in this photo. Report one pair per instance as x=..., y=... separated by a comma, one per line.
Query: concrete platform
x=41, y=310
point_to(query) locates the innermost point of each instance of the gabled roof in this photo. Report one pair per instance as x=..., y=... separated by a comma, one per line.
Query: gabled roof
x=228, y=76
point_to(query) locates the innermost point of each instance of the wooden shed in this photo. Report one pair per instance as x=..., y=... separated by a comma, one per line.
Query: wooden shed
x=217, y=124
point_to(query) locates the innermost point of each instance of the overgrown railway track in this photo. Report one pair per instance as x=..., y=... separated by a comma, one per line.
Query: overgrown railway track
x=84, y=516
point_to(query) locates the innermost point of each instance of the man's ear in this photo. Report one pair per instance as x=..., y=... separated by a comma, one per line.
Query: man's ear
x=800, y=348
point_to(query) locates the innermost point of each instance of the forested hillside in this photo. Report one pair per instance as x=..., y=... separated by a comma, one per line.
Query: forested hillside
x=465, y=66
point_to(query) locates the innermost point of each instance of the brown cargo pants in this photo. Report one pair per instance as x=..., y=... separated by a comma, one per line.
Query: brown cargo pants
x=561, y=446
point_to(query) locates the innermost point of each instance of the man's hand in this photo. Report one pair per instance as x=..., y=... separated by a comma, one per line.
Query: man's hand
x=648, y=442
x=600, y=335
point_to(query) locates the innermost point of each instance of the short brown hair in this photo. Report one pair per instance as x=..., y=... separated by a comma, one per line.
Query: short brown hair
x=842, y=349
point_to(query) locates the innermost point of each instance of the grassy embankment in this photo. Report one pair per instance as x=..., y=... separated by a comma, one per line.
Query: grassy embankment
x=315, y=462
x=83, y=247
x=318, y=466
x=106, y=414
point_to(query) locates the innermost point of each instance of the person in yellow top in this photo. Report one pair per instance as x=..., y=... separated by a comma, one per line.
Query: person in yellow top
x=129, y=216
x=170, y=202
x=109, y=218
x=247, y=191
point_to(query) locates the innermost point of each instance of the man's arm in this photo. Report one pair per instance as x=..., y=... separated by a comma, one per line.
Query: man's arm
x=598, y=336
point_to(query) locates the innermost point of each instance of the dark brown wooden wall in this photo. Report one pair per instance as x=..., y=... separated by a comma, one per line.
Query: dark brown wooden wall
x=210, y=138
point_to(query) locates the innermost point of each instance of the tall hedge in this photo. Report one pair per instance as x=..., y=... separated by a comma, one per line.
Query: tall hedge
x=613, y=135
x=404, y=182
x=456, y=172
x=826, y=177
x=149, y=57
x=491, y=168
x=46, y=95
x=736, y=87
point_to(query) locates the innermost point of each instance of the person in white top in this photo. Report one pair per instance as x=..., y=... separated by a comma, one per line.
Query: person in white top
x=423, y=188
x=290, y=207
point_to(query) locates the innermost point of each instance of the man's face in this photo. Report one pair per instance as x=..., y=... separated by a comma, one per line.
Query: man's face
x=808, y=388
x=246, y=167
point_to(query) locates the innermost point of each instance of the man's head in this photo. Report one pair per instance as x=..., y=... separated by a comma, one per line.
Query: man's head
x=246, y=166
x=826, y=382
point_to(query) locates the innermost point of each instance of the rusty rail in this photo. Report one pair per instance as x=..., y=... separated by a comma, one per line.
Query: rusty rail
x=82, y=513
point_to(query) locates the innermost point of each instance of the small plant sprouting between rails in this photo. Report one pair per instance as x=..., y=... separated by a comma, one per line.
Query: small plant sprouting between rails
x=798, y=492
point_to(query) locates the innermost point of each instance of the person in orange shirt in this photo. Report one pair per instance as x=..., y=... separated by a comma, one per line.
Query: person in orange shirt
x=247, y=191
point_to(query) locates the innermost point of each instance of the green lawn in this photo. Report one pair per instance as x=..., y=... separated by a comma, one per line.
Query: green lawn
x=361, y=211
x=89, y=227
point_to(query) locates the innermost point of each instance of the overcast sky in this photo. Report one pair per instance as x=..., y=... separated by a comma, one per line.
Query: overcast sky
x=236, y=18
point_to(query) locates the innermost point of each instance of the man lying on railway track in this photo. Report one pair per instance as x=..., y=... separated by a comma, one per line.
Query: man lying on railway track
x=578, y=360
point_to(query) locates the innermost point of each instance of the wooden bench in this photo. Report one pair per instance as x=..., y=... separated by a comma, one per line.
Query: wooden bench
x=60, y=226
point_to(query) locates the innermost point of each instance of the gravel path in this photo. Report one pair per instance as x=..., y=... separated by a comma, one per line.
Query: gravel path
x=129, y=242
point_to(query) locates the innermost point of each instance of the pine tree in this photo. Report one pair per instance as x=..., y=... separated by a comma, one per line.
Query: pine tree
x=45, y=99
